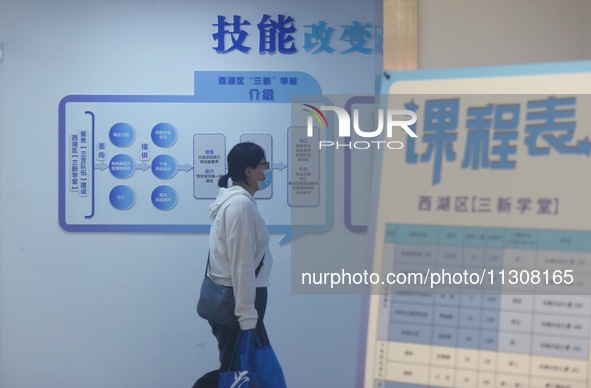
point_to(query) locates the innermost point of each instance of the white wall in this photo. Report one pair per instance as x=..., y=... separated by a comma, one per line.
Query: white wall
x=118, y=309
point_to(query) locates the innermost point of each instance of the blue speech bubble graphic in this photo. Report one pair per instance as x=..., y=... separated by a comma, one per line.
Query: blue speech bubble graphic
x=224, y=106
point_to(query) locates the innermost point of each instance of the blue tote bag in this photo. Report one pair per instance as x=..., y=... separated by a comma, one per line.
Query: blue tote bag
x=242, y=376
x=258, y=366
x=266, y=366
x=238, y=379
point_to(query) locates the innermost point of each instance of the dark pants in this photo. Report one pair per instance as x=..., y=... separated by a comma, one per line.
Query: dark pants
x=227, y=338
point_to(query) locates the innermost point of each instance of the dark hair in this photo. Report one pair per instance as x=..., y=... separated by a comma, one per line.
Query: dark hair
x=241, y=156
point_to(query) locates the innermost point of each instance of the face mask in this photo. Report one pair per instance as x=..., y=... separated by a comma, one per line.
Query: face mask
x=266, y=182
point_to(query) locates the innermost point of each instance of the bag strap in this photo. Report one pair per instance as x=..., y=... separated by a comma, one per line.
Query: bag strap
x=256, y=271
x=243, y=347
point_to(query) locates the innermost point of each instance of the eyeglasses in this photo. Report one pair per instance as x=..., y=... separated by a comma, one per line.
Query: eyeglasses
x=266, y=164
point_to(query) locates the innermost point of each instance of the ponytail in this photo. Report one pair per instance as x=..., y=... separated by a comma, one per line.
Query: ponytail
x=223, y=181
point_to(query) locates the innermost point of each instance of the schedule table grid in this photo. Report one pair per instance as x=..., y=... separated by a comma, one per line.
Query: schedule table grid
x=479, y=336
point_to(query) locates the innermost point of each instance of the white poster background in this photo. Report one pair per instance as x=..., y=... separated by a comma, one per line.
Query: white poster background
x=555, y=175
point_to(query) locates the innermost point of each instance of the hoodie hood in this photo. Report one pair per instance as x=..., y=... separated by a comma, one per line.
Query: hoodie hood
x=224, y=195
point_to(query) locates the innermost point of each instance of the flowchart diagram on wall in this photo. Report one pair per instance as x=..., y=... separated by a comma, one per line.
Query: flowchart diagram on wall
x=142, y=163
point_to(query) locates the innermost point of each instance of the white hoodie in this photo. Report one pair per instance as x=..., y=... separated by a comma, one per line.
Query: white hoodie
x=238, y=240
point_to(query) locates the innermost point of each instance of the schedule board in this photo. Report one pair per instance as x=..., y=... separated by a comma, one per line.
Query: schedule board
x=482, y=238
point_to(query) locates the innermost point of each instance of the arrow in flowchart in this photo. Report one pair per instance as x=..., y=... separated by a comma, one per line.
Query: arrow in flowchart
x=142, y=166
x=184, y=167
x=279, y=166
x=100, y=166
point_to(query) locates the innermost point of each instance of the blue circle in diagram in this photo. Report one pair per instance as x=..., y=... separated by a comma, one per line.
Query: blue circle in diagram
x=122, y=166
x=122, y=135
x=122, y=197
x=164, y=166
x=164, y=197
x=164, y=135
